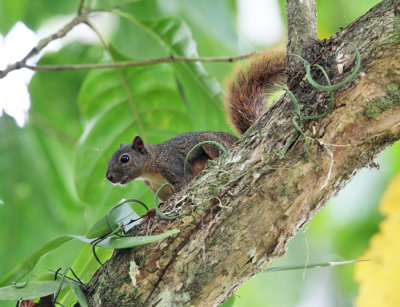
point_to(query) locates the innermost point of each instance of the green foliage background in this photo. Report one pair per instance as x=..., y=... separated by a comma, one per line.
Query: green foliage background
x=53, y=168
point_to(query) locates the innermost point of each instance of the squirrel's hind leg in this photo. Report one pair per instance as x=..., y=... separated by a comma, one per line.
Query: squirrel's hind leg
x=223, y=138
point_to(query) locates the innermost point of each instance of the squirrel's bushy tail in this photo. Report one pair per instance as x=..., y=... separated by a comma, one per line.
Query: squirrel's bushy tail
x=248, y=90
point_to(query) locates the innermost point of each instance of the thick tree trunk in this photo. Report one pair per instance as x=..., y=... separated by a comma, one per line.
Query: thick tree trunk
x=245, y=208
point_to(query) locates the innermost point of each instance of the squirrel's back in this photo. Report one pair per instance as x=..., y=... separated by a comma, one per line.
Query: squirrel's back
x=248, y=90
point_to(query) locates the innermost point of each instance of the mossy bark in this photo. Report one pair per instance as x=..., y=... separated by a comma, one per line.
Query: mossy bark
x=244, y=208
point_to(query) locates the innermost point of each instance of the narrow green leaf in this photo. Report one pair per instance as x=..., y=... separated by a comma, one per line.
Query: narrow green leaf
x=29, y=263
x=127, y=242
x=310, y=266
x=33, y=289
x=85, y=264
x=84, y=267
x=115, y=218
x=76, y=289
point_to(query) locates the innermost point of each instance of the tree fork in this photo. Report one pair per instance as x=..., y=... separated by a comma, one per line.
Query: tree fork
x=246, y=207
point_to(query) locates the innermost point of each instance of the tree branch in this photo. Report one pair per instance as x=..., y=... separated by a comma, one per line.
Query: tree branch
x=254, y=202
x=302, y=26
x=169, y=59
x=301, y=17
x=82, y=17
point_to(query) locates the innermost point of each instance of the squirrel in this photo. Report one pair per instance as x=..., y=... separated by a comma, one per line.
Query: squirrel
x=157, y=164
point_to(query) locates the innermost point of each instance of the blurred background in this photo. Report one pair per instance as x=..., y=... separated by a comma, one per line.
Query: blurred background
x=52, y=161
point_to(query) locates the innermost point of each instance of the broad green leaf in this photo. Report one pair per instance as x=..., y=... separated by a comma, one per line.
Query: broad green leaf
x=33, y=289
x=29, y=263
x=54, y=95
x=171, y=36
x=200, y=19
x=32, y=13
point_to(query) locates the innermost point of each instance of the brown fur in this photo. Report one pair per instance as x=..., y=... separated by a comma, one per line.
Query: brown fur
x=198, y=167
x=247, y=91
x=156, y=164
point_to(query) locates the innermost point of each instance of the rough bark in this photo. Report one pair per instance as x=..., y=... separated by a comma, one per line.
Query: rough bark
x=246, y=207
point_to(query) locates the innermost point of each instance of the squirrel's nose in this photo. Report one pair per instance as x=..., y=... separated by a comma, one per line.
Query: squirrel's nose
x=109, y=177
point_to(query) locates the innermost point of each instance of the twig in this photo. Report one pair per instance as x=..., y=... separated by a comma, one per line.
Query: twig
x=44, y=42
x=81, y=6
x=302, y=25
x=82, y=18
x=169, y=59
x=302, y=34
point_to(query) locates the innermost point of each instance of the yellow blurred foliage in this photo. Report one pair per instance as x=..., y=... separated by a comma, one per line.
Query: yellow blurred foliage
x=379, y=278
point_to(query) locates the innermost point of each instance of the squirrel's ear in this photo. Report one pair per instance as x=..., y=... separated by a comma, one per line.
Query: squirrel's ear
x=138, y=144
x=122, y=144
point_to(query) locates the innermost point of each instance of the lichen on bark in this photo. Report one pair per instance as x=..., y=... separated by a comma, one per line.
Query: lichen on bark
x=376, y=106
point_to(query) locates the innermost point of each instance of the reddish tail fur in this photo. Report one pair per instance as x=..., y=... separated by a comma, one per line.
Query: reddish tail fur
x=247, y=92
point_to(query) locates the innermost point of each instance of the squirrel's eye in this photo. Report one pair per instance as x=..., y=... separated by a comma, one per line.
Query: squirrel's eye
x=124, y=158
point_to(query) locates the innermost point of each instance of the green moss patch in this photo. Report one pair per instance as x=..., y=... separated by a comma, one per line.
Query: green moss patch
x=376, y=106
